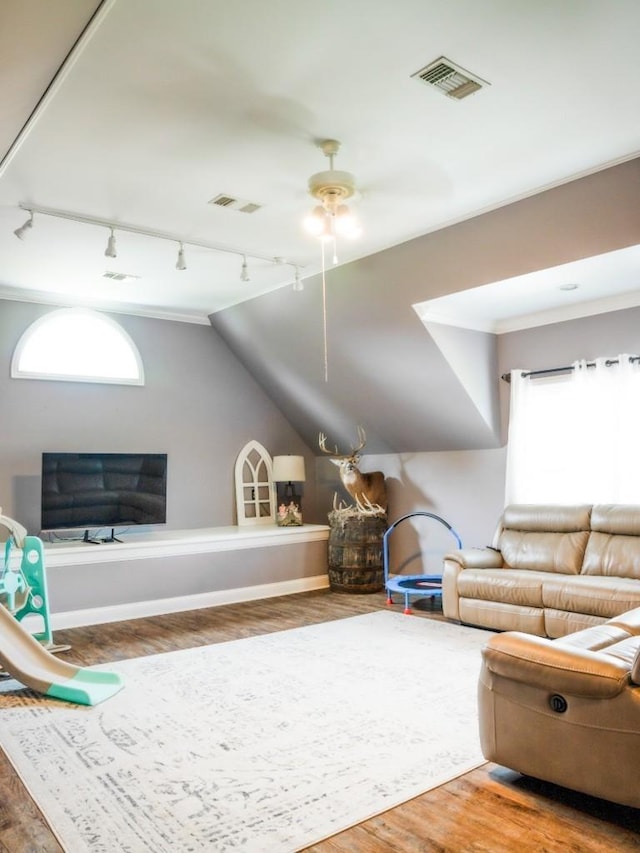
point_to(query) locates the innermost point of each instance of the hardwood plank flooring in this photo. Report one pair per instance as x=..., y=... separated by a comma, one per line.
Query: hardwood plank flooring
x=490, y=810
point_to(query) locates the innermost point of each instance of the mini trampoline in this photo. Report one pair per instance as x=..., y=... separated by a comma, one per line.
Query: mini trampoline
x=425, y=586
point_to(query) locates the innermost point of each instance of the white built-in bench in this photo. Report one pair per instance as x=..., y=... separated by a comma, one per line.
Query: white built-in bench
x=152, y=573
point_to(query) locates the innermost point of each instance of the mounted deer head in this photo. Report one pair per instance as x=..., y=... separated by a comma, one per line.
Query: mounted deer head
x=368, y=490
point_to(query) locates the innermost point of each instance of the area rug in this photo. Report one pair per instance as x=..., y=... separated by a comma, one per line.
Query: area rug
x=263, y=745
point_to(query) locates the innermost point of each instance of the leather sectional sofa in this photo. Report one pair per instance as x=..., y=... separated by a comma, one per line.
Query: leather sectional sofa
x=550, y=571
x=566, y=710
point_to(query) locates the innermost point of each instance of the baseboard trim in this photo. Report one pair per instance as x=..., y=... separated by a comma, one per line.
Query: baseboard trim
x=162, y=606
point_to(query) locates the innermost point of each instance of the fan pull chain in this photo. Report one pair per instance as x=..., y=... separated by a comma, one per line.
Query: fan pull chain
x=333, y=239
x=324, y=319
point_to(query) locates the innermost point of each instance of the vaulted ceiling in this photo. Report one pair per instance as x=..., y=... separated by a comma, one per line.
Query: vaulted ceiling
x=141, y=112
x=142, y=115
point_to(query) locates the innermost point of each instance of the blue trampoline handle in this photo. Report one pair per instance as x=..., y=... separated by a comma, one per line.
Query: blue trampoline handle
x=391, y=528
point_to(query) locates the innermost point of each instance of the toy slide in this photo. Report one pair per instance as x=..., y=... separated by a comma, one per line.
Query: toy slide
x=30, y=663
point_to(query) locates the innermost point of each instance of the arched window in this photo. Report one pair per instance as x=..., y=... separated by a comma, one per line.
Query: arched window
x=255, y=498
x=77, y=345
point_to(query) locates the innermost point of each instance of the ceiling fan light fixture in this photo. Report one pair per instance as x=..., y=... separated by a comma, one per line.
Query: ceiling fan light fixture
x=347, y=224
x=315, y=223
x=331, y=188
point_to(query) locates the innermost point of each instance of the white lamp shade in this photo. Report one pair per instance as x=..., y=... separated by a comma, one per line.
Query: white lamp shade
x=288, y=469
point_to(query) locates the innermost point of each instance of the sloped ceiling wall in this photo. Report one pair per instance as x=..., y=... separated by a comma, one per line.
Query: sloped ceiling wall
x=44, y=32
x=417, y=388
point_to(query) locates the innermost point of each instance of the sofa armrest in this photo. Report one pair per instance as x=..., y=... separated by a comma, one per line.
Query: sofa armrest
x=453, y=564
x=539, y=662
x=476, y=558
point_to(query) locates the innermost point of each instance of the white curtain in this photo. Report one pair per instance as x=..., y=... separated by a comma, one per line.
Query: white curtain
x=573, y=438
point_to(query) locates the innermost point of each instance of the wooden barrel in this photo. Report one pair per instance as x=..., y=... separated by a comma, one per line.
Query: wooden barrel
x=355, y=554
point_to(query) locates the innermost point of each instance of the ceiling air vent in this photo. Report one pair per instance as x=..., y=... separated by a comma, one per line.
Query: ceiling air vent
x=454, y=81
x=229, y=201
x=119, y=276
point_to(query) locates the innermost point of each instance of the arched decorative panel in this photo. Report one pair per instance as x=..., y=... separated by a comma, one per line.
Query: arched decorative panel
x=255, y=498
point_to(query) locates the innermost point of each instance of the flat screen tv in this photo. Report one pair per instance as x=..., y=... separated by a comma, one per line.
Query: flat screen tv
x=103, y=490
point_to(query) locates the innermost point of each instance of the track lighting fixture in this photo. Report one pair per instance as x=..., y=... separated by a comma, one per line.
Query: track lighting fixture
x=22, y=231
x=298, y=284
x=110, y=251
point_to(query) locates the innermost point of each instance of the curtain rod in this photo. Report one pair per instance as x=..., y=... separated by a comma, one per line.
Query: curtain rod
x=549, y=371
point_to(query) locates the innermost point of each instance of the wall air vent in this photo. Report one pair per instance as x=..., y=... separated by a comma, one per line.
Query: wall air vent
x=229, y=201
x=119, y=276
x=449, y=78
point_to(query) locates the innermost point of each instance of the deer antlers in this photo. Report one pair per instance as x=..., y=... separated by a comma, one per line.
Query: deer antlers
x=362, y=438
x=368, y=490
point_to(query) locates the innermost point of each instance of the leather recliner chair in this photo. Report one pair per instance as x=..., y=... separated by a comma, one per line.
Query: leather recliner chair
x=566, y=711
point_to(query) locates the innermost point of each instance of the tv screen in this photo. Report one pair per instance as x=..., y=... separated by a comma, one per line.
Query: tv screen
x=85, y=490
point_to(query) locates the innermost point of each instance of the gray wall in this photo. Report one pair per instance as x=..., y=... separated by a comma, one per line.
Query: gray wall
x=466, y=488
x=435, y=433
x=199, y=405
x=386, y=371
x=431, y=399
x=560, y=344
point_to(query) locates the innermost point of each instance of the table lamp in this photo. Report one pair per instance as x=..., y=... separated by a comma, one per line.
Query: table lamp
x=288, y=470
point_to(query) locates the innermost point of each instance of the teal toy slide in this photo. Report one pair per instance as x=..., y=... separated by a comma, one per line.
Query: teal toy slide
x=30, y=663
x=27, y=655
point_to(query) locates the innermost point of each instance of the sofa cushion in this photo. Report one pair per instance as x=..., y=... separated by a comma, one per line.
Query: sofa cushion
x=598, y=596
x=511, y=587
x=616, y=518
x=502, y=617
x=559, y=623
x=629, y=620
x=612, y=555
x=614, y=545
x=625, y=651
x=545, y=518
x=594, y=639
x=560, y=553
x=544, y=538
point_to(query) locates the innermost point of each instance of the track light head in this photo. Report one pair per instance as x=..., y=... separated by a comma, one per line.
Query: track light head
x=244, y=273
x=23, y=230
x=181, y=264
x=110, y=251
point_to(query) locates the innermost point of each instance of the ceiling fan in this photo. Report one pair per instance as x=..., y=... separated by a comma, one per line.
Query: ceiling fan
x=332, y=217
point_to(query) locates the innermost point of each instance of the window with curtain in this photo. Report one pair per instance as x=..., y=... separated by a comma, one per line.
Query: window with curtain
x=573, y=437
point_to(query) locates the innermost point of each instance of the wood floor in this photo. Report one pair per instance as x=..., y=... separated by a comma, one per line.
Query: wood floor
x=491, y=809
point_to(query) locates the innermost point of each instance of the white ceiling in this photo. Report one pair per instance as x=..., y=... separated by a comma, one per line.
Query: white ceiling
x=607, y=282
x=163, y=105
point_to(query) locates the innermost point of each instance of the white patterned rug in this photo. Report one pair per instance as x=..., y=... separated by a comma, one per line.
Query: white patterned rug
x=262, y=745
